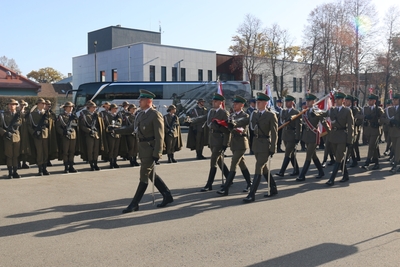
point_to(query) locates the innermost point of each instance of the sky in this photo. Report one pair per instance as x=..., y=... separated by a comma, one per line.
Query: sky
x=48, y=33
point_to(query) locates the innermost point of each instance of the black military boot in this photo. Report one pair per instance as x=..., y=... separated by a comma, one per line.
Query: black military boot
x=357, y=152
x=225, y=190
x=48, y=164
x=393, y=170
x=272, y=186
x=320, y=169
x=199, y=154
x=91, y=165
x=354, y=162
x=246, y=175
x=165, y=192
x=345, y=177
x=210, y=181
x=376, y=165
x=15, y=173
x=302, y=176
x=71, y=168
x=134, y=205
x=45, y=172
x=97, y=168
x=331, y=180
x=115, y=164
x=285, y=163
x=252, y=194
x=173, y=159
x=24, y=165
x=111, y=163
x=65, y=167
x=10, y=172
x=40, y=168
x=366, y=164
x=169, y=158
x=295, y=164
x=135, y=163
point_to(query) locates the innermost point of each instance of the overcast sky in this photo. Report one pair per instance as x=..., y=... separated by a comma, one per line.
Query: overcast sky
x=46, y=33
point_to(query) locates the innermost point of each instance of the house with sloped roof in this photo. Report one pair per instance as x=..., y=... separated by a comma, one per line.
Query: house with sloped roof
x=14, y=84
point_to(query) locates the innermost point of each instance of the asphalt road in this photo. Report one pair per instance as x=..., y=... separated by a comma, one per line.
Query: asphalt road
x=76, y=220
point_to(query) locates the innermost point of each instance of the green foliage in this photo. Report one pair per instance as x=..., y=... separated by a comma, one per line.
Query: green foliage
x=46, y=75
x=31, y=100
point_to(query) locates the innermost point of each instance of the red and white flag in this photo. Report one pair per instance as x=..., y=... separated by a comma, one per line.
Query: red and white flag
x=221, y=93
x=269, y=93
x=325, y=104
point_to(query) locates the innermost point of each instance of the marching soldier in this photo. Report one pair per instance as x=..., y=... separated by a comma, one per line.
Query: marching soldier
x=149, y=128
x=290, y=136
x=172, y=133
x=238, y=125
x=129, y=141
x=93, y=139
x=265, y=126
x=198, y=133
x=67, y=128
x=385, y=128
x=311, y=138
x=371, y=116
x=23, y=105
x=219, y=137
x=10, y=122
x=392, y=119
x=112, y=119
x=341, y=137
x=349, y=103
x=250, y=110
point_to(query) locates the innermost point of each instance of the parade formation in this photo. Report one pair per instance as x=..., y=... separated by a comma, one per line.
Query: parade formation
x=37, y=136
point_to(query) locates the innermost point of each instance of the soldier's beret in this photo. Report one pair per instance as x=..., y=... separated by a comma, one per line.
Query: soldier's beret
x=113, y=106
x=311, y=97
x=90, y=103
x=396, y=96
x=290, y=98
x=373, y=96
x=262, y=97
x=106, y=104
x=219, y=97
x=67, y=104
x=40, y=101
x=356, y=99
x=146, y=94
x=12, y=102
x=132, y=106
x=340, y=95
x=349, y=97
x=124, y=104
x=239, y=99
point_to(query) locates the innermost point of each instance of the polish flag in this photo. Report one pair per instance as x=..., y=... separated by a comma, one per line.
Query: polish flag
x=221, y=93
x=325, y=104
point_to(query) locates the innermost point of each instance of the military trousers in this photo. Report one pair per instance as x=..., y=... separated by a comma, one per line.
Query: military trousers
x=170, y=143
x=92, y=148
x=42, y=150
x=11, y=151
x=339, y=150
x=238, y=159
x=372, y=146
x=289, y=148
x=113, y=146
x=132, y=145
x=310, y=153
x=396, y=149
x=261, y=163
x=215, y=160
x=68, y=146
x=146, y=169
x=199, y=140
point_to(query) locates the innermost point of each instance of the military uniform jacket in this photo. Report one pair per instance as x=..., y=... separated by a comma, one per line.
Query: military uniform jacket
x=309, y=134
x=390, y=115
x=342, y=125
x=265, y=127
x=62, y=125
x=5, y=120
x=357, y=121
x=239, y=139
x=110, y=119
x=33, y=121
x=219, y=135
x=291, y=132
x=371, y=126
x=197, y=112
x=171, y=125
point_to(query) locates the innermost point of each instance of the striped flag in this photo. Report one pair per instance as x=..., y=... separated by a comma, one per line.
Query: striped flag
x=221, y=93
x=325, y=104
x=269, y=93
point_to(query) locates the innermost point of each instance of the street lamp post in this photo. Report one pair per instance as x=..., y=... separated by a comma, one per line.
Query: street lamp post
x=179, y=70
x=129, y=63
x=95, y=61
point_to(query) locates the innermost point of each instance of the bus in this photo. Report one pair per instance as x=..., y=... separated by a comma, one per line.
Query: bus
x=183, y=95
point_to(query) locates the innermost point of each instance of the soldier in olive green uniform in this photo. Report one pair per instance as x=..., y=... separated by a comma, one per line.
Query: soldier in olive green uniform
x=311, y=137
x=172, y=133
x=113, y=139
x=67, y=128
x=38, y=128
x=106, y=109
x=290, y=136
x=23, y=105
x=91, y=124
x=341, y=137
x=10, y=122
x=392, y=119
x=238, y=123
x=198, y=133
x=129, y=141
x=349, y=103
x=372, y=130
x=149, y=129
x=52, y=134
x=264, y=123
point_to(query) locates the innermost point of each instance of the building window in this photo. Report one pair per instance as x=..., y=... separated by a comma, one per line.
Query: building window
x=200, y=75
x=152, y=73
x=174, y=74
x=300, y=85
x=210, y=75
x=114, y=75
x=163, y=73
x=102, y=76
x=183, y=75
x=294, y=84
x=260, y=81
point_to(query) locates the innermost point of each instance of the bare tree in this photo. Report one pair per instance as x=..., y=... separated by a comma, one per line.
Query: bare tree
x=9, y=63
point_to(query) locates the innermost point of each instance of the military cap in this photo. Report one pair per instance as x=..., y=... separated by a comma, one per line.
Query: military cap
x=310, y=97
x=219, y=97
x=12, y=102
x=67, y=104
x=340, y=95
x=239, y=99
x=171, y=107
x=90, y=103
x=106, y=104
x=262, y=97
x=253, y=100
x=132, y=106
x=113, y=106
x=356, y=99
x=23, y=103
x=388, y=101
x=124, y=104
x=373, y=96
x=146, y=94
x=40, y=101
x=278, y=101
x=396, y=96
x=290, y=98
x=349, y=97
x=200, y=100
x=48, y=102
